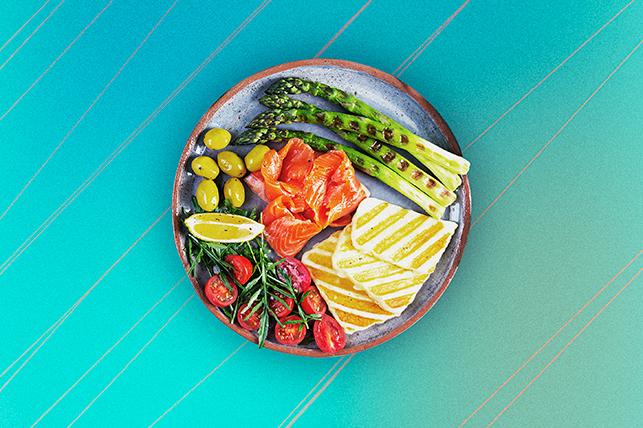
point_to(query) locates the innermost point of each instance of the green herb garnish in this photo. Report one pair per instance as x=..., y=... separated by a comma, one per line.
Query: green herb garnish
x=264, y=282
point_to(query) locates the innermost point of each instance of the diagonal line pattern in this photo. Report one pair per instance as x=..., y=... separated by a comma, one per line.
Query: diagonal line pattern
x=141, y=127
x=350, y=21
x=30, y=35
x=409, y=60
x=51, y=331
x=55, y=61
x=559, y=131
x=108, y=351
x=36, y=342
x=328, y=382
x=311, y=391
x=551, y=338
x=125, y=143
x=472, y=225
x=55, y=215
x=87, y=111
x=75, y=305
x=547, y=77
x=199, y=383
x=600, y=291
x=566, y=346
x=23, y=25
x=427, y=42
x=131, y=361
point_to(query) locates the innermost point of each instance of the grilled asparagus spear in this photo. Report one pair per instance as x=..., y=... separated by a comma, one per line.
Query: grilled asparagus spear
x=294, y=85
x=347, y=122
x=446, y=179
x=282, y=102
x=402, y=166
x=450, y=180
x=362, y=162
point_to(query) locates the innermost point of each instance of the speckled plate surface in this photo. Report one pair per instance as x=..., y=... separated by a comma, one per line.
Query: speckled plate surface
x=237, y=107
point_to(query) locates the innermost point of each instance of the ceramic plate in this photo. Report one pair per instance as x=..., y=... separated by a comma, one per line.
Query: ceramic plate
x=237, y=107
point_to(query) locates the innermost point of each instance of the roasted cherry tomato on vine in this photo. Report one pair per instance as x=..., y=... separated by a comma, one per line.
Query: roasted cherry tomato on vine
x=280, y=309
x=329, y=335
x=249, y=321
x=292, y=332
x=297, y=272
x=242, y=267
x=313, y=302
x=217, y=292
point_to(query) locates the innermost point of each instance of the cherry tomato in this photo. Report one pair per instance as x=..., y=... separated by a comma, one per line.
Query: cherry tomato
x=242, y=267
x=217, y=292
x=249, y=322
x=313, y=303
x=329, y=335
x=278, y=307
x=297, y=272
x=292, y=332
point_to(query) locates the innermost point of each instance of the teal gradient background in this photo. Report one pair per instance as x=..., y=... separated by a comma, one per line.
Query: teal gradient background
x=545, y=101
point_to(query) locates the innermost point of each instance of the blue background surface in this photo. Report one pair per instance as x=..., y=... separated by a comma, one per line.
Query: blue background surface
x=100, y=326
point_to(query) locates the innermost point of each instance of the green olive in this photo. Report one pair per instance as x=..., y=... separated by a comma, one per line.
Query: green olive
x=205, y=166
x=255, y=156
x=233, y=189
x=216, y=138
x=207, y=195
x=231, y=164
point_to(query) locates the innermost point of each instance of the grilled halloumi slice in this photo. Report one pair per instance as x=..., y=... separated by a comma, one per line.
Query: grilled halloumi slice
x=403, y=237
x=390, y=286
x=352, y=308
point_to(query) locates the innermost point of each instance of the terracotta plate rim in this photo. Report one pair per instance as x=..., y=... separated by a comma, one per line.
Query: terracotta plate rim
x=396, y=83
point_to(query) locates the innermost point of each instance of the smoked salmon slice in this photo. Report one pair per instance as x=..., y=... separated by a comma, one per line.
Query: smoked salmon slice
x=332, y=190
x=285, y=171
x=257, y=185
x=287, y=232
x=307, y=192
x=284, y=206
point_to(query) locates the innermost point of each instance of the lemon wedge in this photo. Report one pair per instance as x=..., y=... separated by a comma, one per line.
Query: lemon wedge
x=215, y=227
